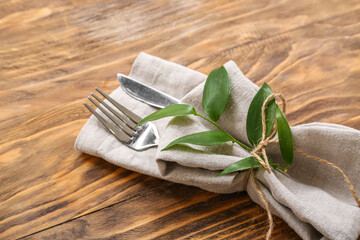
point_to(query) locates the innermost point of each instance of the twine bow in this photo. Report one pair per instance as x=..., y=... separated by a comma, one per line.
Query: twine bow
x=260, y=150
x=265, y=141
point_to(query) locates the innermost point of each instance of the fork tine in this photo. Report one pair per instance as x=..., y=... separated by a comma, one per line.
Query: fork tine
x=133, y=117
x=129, y=123
x=118, y=134
x=126, y=129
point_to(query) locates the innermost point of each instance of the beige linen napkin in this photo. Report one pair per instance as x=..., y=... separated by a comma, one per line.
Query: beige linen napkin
x=312, y=198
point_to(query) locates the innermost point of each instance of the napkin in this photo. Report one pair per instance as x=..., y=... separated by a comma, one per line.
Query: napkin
x=311, y=197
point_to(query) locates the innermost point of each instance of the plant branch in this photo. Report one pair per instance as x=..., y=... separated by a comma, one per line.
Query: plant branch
x=233, y=139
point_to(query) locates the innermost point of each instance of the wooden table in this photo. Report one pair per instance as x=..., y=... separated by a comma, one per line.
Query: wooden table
x=53, y=54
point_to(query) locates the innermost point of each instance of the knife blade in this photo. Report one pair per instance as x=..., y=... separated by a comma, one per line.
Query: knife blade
x=145, y=93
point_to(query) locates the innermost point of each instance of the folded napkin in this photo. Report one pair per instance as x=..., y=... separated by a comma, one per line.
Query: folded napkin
x=311, y=197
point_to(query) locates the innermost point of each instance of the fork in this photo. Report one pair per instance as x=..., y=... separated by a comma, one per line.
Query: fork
x=140, y=138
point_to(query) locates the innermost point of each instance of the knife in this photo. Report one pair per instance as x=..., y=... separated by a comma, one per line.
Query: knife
x=145, y=93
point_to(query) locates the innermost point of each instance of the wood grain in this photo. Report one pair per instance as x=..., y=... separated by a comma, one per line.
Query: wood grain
x=177, y=212
x=53, y=54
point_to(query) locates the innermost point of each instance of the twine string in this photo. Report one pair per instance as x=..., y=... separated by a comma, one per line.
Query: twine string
x=351, y=187
x=260, y=150
x=261, y=195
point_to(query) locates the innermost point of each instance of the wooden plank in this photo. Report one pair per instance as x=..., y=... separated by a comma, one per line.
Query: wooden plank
x=177, y=212
x=53, y=54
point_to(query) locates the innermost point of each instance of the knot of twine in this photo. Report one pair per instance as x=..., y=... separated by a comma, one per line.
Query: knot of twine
x=265, y=141
x=260, y=150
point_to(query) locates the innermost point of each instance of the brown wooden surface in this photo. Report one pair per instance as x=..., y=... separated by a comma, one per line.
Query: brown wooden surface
x=53, y=54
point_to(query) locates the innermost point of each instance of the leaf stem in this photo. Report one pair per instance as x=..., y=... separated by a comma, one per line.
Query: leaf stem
x=233, y=139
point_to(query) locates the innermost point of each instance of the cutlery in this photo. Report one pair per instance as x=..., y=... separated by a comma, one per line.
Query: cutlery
x=145, y=93
x=124, y=121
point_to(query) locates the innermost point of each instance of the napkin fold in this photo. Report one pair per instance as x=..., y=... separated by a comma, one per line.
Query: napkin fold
x=312, y=198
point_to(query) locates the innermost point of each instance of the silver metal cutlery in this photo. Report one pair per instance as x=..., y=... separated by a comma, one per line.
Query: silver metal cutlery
x=122, y=123
x=145, y=93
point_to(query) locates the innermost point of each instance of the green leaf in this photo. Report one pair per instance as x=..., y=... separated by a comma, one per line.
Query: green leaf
x=170, y=111
x=216, y=93
x=253, y=121
x=285, y=137
x=243, y=164
x=207, y=138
